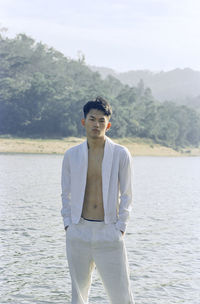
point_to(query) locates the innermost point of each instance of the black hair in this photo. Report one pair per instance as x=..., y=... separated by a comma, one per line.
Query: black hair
x=100, y=104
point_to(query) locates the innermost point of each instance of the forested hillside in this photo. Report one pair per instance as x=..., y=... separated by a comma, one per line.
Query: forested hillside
x=42, y=93
x=180, y=85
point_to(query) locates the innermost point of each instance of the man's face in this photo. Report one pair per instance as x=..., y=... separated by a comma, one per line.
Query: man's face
x=96, y=123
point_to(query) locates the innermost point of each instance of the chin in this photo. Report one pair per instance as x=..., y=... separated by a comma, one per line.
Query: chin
x=96, y=136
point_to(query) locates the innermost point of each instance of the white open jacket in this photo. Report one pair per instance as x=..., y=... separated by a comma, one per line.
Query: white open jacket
x=117, y=183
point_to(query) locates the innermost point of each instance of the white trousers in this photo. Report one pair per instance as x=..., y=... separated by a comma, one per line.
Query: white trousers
x=96, y=243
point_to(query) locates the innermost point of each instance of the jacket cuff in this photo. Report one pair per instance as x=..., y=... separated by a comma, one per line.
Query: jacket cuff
x=121, y=226
x=67, y=221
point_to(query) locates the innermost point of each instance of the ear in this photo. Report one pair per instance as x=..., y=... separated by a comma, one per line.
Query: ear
x=83, y=122
x=108, y=126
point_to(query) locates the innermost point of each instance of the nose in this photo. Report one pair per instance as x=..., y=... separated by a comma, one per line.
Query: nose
x=96, y=123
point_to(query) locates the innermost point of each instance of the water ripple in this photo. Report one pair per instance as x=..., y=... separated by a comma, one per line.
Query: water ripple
x=163, y=237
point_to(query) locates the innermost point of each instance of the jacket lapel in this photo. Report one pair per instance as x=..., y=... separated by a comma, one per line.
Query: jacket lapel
x=83, y=165
x=106, y=168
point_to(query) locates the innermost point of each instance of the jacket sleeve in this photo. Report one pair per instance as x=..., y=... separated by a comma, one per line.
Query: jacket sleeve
x=126, y=189
x=66, y=191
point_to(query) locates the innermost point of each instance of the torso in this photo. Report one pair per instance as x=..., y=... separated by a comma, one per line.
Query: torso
x=93, y=199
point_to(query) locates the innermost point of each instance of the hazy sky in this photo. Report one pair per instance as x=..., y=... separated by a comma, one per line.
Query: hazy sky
x=121, y=34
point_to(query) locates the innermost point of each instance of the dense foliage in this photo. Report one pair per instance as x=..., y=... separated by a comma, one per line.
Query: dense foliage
x=42, y=93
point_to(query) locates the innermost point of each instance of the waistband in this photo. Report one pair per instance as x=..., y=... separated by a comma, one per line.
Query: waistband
x=92, y=220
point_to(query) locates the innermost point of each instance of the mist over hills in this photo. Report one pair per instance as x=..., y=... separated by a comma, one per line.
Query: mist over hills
x=179, y=85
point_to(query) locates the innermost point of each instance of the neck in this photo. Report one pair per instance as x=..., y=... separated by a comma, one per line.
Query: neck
x=96, y=143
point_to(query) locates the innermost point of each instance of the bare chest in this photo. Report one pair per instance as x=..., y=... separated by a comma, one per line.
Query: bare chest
x=94, y=165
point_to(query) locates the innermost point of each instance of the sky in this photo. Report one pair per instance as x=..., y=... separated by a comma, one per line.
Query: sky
x=120, y=34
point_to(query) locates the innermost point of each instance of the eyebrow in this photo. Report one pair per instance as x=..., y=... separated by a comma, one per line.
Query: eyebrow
x=91, y=116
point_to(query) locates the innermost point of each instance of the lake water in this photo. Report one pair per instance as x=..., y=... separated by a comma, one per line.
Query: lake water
x=163, y=236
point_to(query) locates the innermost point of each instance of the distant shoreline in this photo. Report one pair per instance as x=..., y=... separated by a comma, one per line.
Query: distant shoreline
x=137, y=146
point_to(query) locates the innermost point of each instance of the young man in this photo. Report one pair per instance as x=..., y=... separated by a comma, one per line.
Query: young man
x=97, y=193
